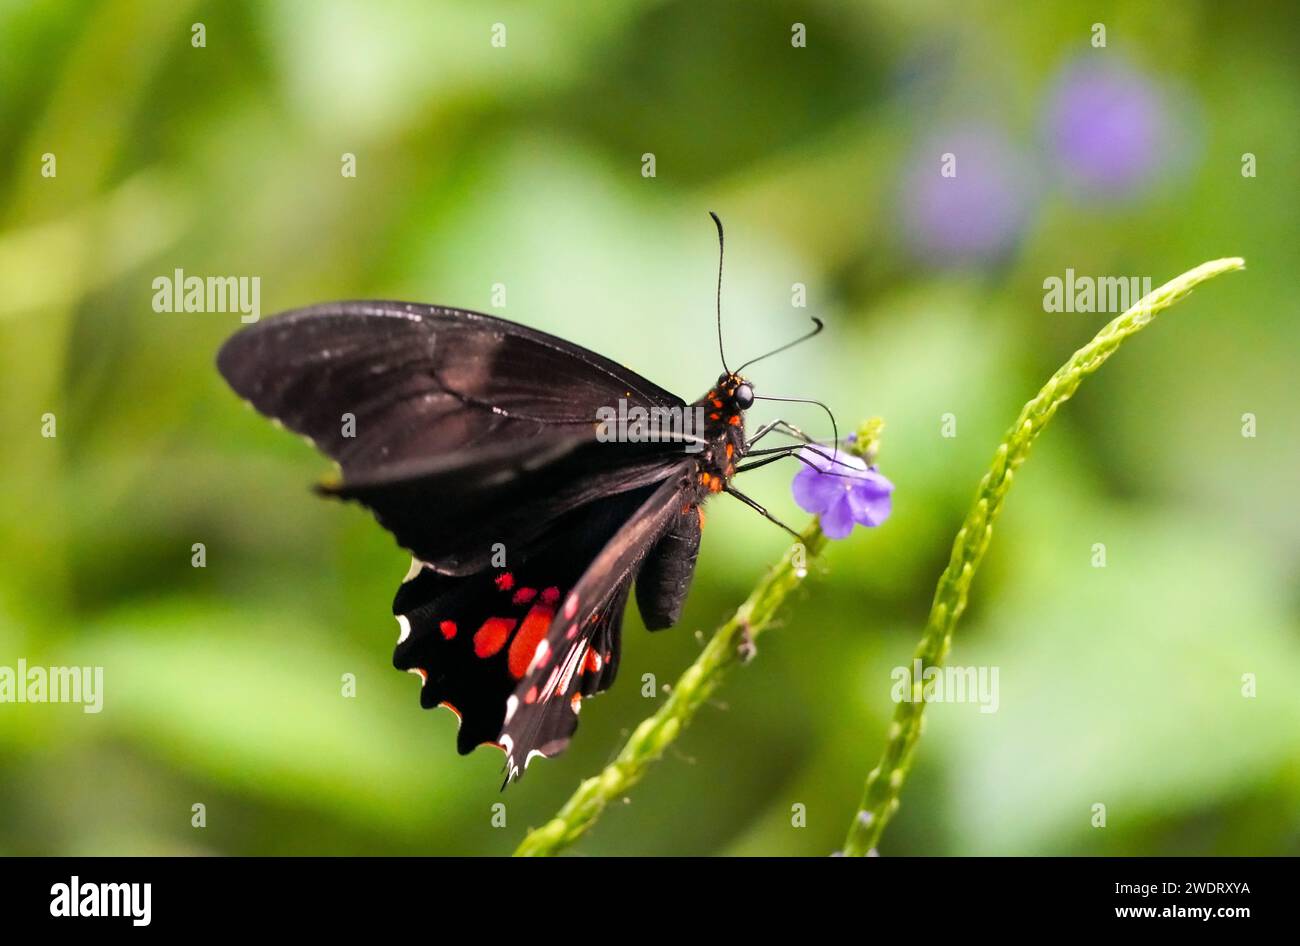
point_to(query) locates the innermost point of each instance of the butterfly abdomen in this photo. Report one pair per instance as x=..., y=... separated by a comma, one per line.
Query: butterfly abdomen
x=665, y=578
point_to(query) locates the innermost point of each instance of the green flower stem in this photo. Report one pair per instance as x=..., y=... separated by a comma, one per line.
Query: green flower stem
x=884, y=784
x=727, y=647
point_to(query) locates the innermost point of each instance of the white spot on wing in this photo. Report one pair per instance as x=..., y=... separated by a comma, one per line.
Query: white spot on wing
x=405, y=625
x=534, y=754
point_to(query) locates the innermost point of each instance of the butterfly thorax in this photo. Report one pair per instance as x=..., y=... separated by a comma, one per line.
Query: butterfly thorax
x=724, y=409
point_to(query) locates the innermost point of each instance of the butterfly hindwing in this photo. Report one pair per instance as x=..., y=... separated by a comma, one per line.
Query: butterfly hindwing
x=513, y=650
x=590, y=613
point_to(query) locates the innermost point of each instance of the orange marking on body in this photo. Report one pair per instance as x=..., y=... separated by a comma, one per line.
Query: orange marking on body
x=531, y=633
x=734, y=420
x=524, y=595
x=505, y=581
x=715, y=484
x=730, y=450
x=492, y=635
x=700, y=510
x=448, y=629
x=715, y=416
x=716, y=402
x=704, y=479
x=551, y=595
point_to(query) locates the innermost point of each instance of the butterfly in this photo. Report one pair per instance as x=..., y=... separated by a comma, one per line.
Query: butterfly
x=533, y=482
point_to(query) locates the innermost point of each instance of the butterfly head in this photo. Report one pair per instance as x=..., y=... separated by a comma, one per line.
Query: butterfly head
x=735, y=392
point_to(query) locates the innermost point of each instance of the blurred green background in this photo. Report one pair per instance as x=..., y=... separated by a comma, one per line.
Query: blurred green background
x=522, y=165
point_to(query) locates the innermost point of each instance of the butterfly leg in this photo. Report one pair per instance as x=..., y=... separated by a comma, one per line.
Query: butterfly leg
x=762, y=432
x=777, y=425
x=780, y=453
x=761, y=511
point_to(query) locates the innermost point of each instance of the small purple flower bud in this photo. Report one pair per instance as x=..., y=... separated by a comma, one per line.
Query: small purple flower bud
x=967, y=196
x=1108, y=128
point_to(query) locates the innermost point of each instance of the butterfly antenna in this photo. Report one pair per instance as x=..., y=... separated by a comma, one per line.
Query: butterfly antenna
x=776, y=351
x=835, y=429
x=721, y=355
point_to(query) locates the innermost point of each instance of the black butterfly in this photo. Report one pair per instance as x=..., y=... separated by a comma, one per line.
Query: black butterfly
x=480, y=445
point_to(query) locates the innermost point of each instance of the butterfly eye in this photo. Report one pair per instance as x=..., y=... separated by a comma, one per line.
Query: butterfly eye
x=744, y=397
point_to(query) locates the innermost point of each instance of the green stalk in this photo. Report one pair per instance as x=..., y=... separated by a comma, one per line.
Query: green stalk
x=880, y=798
x=726, y=648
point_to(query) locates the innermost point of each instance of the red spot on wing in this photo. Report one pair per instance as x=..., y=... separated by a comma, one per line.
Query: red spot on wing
x=551, y=595
x=491, y=637
x=505, y=581
x=592, y=662
x=531, y=695
x=524, y=595
x=531, y=633
x=448, y=629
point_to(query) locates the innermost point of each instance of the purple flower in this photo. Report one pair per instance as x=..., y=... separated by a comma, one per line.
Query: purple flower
x=1109, y=127
x=967, y=195
x=841, y=491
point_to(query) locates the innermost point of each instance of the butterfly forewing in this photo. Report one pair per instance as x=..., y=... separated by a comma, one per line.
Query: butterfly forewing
x=420, y=381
